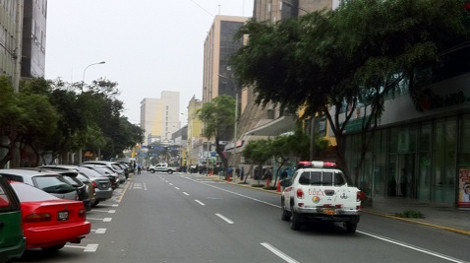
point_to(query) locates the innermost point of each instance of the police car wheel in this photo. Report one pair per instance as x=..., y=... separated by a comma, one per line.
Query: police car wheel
x=285, y=216
x=294, y=221
x=350, y=227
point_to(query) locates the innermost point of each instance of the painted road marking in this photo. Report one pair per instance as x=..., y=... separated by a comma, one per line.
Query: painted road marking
x=199, y=202
x=91, y=248
x=87, y=248
x=112, y=211
x=177, y=188
x=225, y=219
x=279, y=253
x=106, y=219
x=185, y=193
x=99, y=230
x=409, y=246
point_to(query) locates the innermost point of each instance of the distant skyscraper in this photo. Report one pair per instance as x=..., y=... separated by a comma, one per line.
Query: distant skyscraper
x=219, y=45
x=160, y=117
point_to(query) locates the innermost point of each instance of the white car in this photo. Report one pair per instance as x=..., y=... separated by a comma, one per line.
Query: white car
x=320, y=191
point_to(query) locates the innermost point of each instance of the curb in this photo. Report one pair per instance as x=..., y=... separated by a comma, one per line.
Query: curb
x=367, y=211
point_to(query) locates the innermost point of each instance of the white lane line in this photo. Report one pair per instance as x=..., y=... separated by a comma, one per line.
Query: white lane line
x=87, y=248
x=199, y=202
x=99, y=230
x=185, y=193
x=145, y=186
x=170, y=184
x=409, y=246
x=106, y=219
x=104, y=205
x=225, y=219
x=279, y=253
x=225, y=190
x=177, y=188
x=91, y=248
x=112, y=211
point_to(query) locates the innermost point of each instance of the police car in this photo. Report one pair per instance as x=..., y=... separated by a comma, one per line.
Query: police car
x=319, y=191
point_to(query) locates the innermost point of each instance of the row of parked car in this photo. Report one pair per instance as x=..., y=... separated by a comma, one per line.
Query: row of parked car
x=45, y=207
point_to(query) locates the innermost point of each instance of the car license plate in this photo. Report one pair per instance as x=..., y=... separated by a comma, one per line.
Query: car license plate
x=63, y=216
x=329, y=211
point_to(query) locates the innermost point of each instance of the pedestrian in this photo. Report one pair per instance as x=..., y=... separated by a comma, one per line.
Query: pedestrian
x=139, y=168
x=284, y=174
x=242, y=173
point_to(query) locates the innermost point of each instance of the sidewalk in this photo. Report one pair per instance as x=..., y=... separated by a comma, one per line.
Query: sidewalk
x=442, y=217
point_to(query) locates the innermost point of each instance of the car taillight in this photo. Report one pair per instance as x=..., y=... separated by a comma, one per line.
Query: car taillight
x=300, y=193
x=34, y=218
x=359, y=196
x=82, y=213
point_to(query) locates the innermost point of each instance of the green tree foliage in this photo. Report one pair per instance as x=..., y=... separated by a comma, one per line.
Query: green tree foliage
x=333, y=62
x=218, y=117
x=258, y=152
x=53, y=117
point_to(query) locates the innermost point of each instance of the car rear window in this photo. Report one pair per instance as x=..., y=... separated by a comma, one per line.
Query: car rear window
x=322, y=178
x=28, y=193
x=53, y=184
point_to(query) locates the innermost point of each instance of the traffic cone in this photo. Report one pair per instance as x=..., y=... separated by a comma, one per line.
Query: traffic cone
x=278, y=186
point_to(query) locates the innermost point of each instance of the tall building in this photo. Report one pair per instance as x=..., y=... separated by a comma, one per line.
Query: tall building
x=218, y=47
x=22, y=38
x=195, y=139
x=33, y=59
x=159, y=117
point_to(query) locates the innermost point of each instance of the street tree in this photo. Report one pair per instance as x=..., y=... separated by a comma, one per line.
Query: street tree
x=218, y=117
x=258, y=152
x=333, y=63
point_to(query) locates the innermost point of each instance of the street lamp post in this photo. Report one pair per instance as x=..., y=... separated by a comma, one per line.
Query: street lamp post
x=84, y=71
x=80, y=157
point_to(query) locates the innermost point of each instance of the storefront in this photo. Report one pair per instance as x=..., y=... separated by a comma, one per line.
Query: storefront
x=422, y=155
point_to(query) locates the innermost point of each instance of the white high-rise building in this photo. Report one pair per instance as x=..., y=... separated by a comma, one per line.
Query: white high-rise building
x=159, y=117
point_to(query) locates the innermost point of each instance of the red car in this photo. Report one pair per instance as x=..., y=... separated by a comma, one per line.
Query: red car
x=50, y=222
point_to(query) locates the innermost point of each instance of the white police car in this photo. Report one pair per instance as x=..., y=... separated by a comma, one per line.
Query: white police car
x=319, y=191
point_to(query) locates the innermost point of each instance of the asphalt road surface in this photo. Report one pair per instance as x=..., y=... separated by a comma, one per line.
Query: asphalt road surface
x=188, y=218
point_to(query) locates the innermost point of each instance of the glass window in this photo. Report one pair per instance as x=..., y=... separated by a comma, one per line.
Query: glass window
x=327, y=178
x=52, y=184
x=339, y=179
x=28, y=193
x=315, y=178
x=304, y=178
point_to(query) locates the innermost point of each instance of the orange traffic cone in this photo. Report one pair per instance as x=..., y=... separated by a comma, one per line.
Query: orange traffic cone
x=278, y=186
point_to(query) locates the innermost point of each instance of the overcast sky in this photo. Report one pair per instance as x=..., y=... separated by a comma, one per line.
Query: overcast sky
x=148, y=45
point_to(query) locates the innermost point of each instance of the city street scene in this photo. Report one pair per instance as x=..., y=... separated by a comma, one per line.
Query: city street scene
x=234, y=131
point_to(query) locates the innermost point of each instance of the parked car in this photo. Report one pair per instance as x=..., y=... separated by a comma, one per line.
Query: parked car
x=101, y=184
x=115, y=166
x=50, y=222
x=105, y=171
x=12, y=241
x=72, y=179
x=45, y=180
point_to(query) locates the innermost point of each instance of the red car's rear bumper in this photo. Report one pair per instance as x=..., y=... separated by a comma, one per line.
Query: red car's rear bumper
x=46, y=236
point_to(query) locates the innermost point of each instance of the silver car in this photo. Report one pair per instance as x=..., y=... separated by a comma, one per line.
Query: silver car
x=102, y=185
x=47, y=181
x=115, y=166
x=105, y=171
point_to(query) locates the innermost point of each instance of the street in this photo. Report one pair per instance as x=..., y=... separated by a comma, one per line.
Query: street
x=189, y=218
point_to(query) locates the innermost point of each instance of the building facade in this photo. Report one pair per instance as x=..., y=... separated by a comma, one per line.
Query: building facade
x=33, y=58
x=195, y=143
x=420, y=151
x=218, y=47
x=159, y=117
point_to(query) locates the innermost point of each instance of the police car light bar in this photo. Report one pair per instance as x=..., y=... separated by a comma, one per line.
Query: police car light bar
x=316, y=164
